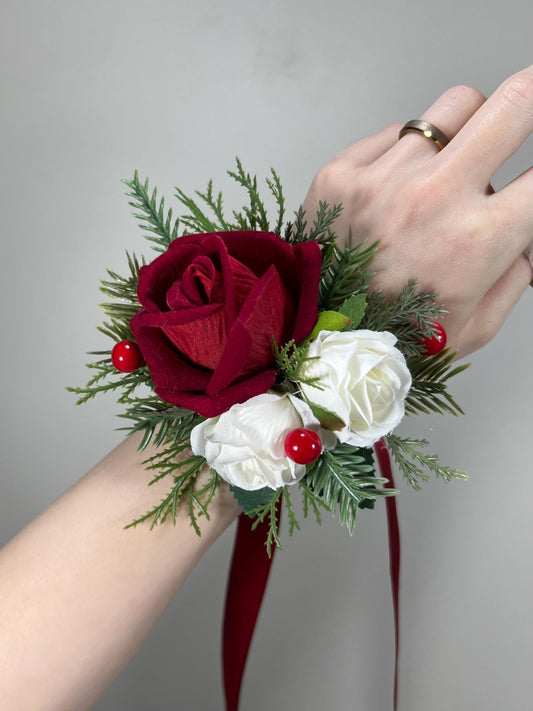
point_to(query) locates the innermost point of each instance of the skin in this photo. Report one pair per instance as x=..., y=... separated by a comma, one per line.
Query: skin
x=75, y=608
x=435, y=214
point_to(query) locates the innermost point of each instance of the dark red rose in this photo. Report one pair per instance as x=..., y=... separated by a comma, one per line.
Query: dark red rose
x=212, y=304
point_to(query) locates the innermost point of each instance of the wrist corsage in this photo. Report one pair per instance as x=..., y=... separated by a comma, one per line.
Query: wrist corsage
x=259, y=352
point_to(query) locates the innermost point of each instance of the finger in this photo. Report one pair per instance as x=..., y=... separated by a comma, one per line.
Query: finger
x=369, y=149
x=495, y=307
x=495, y=131
x=449, y=113
x=512, y=207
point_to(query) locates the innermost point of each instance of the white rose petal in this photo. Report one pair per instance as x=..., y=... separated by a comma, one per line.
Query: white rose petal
x=245, y=445
x=364, y=381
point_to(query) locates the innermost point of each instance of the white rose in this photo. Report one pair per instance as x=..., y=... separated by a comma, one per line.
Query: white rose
x=245, y=445
x=364, y=381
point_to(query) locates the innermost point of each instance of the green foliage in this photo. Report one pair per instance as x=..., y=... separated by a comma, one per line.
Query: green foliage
x=159, y=421
x=123, y=291
x=344, y=478
x=185, y=492
x=159, y=228
x=100, y=382
x=409, y=316
x=253, y=217
x=290, y=359
x=321, y=231
x=329, y=321
x=354, y=308
x=344, y=274
x=252, y=500
x=428, y=391
x=412, y=462
x=312, y=503
x=269, y=512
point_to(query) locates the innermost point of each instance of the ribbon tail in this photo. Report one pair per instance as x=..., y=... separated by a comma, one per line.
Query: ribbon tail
x=384, y=462
x=250, y=568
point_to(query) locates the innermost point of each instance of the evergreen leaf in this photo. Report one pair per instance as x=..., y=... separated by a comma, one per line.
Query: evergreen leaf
x=414, y=464
x=158, y=226
x=344, y=478
x=252, y=500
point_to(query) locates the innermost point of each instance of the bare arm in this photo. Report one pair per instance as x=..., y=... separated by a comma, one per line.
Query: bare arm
x=80, y=594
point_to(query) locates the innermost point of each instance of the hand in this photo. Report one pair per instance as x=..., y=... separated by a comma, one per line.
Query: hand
x=435, y=214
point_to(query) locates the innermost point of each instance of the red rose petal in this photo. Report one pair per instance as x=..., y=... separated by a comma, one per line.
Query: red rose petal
x=203, y=340
x=263, y=317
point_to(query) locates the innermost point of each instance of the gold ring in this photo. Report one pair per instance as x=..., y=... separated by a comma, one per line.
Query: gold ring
x=428, y=130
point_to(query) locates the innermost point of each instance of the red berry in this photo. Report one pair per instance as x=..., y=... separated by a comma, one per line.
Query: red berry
x=126, y=356
x=436, y=343
x=303, y=446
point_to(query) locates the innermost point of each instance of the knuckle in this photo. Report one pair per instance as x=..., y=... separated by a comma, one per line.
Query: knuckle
x=463, y=94
x=328, y=176
x=518, y=89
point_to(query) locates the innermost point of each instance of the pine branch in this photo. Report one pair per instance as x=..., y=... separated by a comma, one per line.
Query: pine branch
x=196, y=221
x=269, y=511
x=160, y=229
x=290, y=360
x=344, y=478
x=277, y=192
x=184, y=492
x=321, y=231
x=293, y=523
x=410, y=316
x=125, y=305
x=344, y=273
x=428, y=391
x=256, y=217
x=216, y=205
x=412, y=462
x=159, y=421
x=312, y=502
x=105, y=369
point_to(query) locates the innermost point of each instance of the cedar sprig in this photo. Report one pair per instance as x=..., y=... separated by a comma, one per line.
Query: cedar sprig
x=291, y=516
x=344, y=273
x=270, y=512
x=412, y=461
x=255, y=216
x=312, y=503
x=216, y=205
x=428, y=392
x=344, y=478
x=159, y=227
x=290, y=360
x=184, y=491
x=128, y=383
x=196, y=220
x=275, y=187
x=321, y=231
x=123, y=291
x=410, y=316
x=159, y=421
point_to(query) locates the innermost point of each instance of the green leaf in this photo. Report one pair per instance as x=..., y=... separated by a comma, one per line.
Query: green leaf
x=344, y=478
x=354, y=309
x=329, y=321
x=327, y=419
x=252, y=500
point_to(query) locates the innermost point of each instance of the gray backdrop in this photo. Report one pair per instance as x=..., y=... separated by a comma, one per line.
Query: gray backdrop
x=91, y=91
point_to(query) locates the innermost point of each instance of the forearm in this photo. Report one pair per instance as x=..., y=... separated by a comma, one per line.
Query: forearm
x=79, y=593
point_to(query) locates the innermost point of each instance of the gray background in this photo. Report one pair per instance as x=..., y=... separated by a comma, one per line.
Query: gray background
x=91, y=91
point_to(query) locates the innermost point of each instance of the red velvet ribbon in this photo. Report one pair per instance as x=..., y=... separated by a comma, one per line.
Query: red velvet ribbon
x=382, y=455
x=250, y=568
